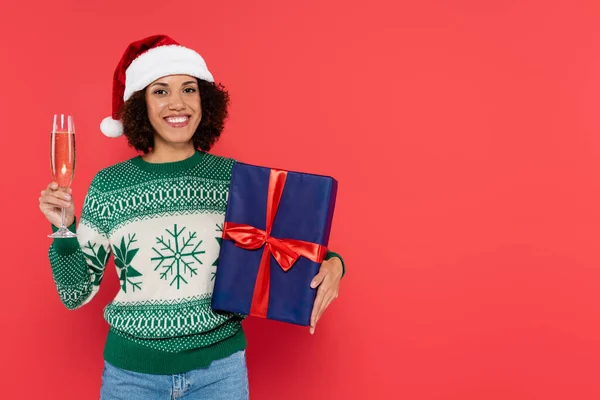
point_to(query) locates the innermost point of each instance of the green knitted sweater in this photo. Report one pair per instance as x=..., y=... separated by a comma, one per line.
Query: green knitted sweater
x=162, y=223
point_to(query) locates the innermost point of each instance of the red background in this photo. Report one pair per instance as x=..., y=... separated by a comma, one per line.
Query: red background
x=464, y=134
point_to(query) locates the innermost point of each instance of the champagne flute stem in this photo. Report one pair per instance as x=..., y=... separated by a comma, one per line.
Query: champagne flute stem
x=62, y=216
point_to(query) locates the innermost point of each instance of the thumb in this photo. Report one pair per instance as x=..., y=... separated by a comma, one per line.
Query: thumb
x=318, y=279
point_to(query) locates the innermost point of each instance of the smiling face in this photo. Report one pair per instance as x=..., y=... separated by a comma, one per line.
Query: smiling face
x=174, y=109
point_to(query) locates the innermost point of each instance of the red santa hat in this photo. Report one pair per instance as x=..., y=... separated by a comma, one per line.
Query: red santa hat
x=145, y=61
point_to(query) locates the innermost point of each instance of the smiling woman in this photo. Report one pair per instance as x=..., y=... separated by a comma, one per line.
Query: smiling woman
x=203, y=105
x=159, y=215
x=174, y=108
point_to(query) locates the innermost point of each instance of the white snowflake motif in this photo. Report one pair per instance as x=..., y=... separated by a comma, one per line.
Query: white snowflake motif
x=174, y=259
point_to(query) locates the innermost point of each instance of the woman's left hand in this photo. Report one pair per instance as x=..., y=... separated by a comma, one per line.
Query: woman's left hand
x=328, y=283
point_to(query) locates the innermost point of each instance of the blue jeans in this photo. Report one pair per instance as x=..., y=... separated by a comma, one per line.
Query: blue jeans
x=225, y=379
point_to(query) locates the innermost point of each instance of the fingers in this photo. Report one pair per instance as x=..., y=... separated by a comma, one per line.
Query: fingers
x=328, y=299
x=326, y=293
x=53, y=187
x=52, y=197
x=316, y=308
x=324, y=298
x=55, y=199
x=318, y=279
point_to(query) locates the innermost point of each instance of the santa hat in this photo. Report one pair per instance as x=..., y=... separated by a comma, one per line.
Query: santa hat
x=144, y=62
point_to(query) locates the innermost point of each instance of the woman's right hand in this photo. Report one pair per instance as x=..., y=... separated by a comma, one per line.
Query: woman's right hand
x=52, y=200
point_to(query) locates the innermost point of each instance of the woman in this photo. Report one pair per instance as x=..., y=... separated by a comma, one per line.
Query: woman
x=161, y=214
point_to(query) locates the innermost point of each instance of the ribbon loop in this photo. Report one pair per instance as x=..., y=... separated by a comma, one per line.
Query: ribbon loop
x=285, y=255
x=245, y=236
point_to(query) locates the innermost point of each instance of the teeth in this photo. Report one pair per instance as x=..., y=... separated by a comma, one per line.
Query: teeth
x=176, y=120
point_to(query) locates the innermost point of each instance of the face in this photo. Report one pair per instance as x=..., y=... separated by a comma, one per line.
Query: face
x=174, y=109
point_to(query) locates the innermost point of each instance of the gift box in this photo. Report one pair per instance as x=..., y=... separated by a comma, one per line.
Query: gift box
x=276, y=233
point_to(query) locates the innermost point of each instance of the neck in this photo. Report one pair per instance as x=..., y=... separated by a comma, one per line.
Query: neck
x=170, y=153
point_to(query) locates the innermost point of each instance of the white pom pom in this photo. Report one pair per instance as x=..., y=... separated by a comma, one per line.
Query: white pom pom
x=111, y=128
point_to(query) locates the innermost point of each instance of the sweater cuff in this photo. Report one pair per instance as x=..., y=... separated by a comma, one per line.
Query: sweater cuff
x=66, y=246
x=331, y=254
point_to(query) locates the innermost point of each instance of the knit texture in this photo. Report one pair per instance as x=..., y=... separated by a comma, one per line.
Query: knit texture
x=162, y=223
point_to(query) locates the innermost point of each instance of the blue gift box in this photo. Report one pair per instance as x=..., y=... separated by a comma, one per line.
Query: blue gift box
x=302, y=208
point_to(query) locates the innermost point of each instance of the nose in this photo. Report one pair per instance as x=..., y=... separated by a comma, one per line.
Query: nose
x=176, y=102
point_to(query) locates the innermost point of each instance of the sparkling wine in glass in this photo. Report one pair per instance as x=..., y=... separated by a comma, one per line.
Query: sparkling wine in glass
x=62, y=161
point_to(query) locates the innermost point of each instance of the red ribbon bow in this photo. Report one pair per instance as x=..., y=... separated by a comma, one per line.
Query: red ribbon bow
x=285, y=251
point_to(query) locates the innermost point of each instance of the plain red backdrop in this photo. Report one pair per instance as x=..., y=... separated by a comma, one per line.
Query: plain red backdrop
x=466, y=139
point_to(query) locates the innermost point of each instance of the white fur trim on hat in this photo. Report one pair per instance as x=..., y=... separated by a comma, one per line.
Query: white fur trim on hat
x=111, y=128
x=163, y=61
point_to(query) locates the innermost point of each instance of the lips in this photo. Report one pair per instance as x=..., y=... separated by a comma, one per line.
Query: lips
x=177, y=121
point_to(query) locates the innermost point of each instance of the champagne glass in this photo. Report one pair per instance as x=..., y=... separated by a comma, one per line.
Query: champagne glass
x=62, y=161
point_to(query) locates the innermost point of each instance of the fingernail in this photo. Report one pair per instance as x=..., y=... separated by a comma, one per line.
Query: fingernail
x=313, y=284
x=68, y=196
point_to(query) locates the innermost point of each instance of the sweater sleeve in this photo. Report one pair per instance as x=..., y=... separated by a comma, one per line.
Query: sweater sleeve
x=78, y=264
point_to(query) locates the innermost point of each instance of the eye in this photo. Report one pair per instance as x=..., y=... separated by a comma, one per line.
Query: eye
x=189, y=90
x=160, y=91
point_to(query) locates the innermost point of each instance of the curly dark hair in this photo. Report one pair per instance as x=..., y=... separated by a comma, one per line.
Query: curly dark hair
x=214, y=100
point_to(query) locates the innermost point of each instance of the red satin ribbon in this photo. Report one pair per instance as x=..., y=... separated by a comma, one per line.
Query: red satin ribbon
x=285, y=251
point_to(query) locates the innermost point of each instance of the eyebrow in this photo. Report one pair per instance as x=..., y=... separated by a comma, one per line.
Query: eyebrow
x=166, y=84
